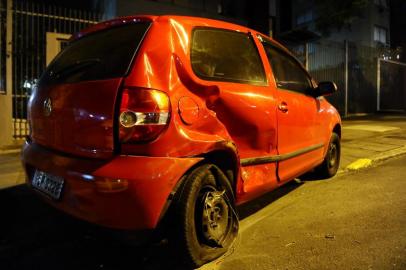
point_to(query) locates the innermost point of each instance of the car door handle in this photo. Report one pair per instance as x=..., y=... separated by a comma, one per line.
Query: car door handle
x=283, y=107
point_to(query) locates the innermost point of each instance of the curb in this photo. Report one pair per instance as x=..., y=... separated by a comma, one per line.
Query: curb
x=359, y=164
x=367, y=162
x=389, y=154
x=10, y=151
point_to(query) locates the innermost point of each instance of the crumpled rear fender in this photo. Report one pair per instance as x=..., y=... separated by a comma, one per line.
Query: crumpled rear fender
x=138, y=204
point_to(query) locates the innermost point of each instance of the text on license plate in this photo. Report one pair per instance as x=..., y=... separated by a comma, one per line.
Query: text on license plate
x=47, y=183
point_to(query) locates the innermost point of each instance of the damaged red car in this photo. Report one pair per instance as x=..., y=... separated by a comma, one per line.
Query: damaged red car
x=149, y=120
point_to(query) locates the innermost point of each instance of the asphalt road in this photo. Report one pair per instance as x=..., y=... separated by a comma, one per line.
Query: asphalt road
x=353, y=221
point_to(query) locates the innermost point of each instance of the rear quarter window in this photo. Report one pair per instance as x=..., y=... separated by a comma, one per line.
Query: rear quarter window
x=100, y=55
x=223, y=55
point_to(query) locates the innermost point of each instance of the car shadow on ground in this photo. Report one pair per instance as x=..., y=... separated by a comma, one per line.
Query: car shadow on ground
x=250, y=208
x=311, y=176
x=33, y=235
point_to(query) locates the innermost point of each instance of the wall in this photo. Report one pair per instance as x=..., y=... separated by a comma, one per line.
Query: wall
x=6, y=124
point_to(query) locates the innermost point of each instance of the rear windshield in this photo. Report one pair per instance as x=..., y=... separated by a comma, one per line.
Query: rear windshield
x=101, y=55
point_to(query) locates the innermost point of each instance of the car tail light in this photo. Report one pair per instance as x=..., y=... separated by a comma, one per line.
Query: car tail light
x=144, y=114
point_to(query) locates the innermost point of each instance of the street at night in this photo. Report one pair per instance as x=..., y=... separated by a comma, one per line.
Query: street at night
x=202, y=134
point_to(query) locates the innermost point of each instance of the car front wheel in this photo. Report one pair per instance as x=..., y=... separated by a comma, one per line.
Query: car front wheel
x=331, y=161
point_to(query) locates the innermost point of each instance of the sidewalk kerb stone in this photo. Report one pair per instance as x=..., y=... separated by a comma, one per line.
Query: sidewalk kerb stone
x=10, y=151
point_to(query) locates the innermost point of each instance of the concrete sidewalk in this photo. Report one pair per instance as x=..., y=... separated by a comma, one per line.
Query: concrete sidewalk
x=11, y=172
x=370, y=139
x=365, y=140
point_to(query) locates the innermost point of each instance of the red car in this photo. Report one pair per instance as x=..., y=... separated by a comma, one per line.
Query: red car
x=147, y=119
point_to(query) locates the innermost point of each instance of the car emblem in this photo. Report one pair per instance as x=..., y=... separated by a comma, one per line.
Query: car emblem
x=47, y=107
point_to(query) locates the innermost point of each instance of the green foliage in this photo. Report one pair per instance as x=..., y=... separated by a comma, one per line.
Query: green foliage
x=336, y=14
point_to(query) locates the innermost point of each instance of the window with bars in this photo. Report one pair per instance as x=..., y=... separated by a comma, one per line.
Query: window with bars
x=305, y=17
x=380, y=34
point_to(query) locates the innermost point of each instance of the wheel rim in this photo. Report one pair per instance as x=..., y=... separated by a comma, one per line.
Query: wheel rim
x=213, y=219
x=333, y=155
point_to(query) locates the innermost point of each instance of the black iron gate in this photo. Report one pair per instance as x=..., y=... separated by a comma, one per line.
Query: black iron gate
x=31, y=21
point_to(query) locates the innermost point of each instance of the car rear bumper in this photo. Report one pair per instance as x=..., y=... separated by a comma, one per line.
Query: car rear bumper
x=136, y=206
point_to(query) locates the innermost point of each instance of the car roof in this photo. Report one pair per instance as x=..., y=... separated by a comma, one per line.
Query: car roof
x=201, y=21
x=162, y=18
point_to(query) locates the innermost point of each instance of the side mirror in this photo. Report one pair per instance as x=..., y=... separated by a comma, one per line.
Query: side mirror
x=325, y=89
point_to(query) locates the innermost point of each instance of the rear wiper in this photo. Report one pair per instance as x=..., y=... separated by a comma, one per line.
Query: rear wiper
x=74, y=67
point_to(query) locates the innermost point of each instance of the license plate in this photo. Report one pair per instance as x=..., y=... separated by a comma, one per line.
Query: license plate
x=47, y=183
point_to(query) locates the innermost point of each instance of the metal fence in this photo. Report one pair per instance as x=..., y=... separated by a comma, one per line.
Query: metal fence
x=326, y=62
x=31, y=22
x=362, y=70
x=391, y=83
x=353, y=67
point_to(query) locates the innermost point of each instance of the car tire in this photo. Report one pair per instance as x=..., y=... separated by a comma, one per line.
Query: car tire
x=205, y=223
x=331, y=161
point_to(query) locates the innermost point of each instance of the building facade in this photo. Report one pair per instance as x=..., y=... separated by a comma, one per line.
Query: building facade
x=371, y=27
x=241, y=12
x=356, y=54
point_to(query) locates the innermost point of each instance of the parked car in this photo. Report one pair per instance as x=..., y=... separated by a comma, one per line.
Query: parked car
x=147, y=120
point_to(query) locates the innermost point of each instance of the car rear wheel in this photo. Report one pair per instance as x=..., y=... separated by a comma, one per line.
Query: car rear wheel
x=205, y=223
x=331, y=161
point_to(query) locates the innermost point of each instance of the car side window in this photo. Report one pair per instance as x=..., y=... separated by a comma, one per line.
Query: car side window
x=223, y=55
x=287, y=72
